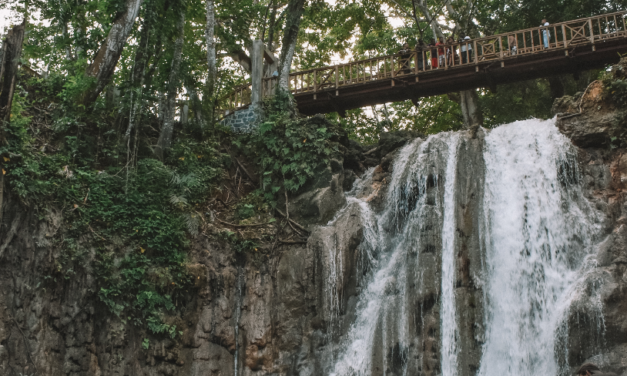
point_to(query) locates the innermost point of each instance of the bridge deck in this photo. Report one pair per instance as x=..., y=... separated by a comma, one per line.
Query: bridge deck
x=573, y=46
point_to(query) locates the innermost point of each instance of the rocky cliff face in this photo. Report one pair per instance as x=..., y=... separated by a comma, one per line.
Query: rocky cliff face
x=288, y=310
x=592, y=121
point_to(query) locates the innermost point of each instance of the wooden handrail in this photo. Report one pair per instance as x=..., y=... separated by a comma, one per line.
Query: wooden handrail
x=528, y=41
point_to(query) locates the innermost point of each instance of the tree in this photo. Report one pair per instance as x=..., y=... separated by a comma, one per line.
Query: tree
x=106, y=59
x=9, y=60
x=167, y=127
x=211, y=46
x=290, y=37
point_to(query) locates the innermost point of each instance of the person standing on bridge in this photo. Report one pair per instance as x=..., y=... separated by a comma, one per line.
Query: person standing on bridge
x=405, y=53
x=512, y=43
x=451, y=54
x=466, y=50
x=420, y=48
x=441, y=53
x=434, y=55
x=546, y=35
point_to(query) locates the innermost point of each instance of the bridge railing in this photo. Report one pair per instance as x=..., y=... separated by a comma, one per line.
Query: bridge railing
x=237, y=99
x=414, y=63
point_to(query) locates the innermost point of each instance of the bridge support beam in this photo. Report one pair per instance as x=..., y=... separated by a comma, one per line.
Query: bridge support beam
x=256, y=71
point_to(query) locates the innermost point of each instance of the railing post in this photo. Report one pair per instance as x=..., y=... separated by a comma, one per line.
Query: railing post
x=501, y=47
x=476, y=53
x=564, y=40
x=415, y=62
x=350, y=72
x=337, y=80
x=591, y=33
x=393, y=69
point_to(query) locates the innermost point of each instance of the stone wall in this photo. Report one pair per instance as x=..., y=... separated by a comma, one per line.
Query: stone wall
x=244, y=121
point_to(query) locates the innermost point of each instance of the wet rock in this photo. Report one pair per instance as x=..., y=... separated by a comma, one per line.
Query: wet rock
x=320, y=204
x=389, y=141
x=349, y=179
x=590, y=121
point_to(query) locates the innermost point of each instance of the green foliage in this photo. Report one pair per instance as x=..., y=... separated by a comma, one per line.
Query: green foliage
x=132, y=222
x=146, y=344
x=289, y=149
x=433, y=115
x=616, y=90
x=244, y=211
x=518, y=101
x=254, y=203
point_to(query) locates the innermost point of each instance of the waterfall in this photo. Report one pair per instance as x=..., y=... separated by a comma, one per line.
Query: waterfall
x=378, y=342
x=448, y=319
x=538, y=233
x=533, y=229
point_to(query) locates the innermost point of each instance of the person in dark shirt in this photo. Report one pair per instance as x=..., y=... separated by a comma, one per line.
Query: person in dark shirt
x=405, y=53
x=451, y=55
x=420, y=47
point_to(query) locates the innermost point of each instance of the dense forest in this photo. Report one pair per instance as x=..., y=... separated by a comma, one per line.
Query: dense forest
x=115, y=112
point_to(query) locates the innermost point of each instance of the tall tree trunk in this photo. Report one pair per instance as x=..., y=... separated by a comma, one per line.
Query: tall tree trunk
x=11, y=53
x=196, y=107
x=271, y=27
x=138, y=72
x=430, y=19
x=468, y=99
x=167, y=127
x=290, y=36
x=110, y=51
x=66, y=41
x=470, y=108
x=211, y=47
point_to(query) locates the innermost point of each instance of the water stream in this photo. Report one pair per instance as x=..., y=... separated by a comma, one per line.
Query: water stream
x=535, y=230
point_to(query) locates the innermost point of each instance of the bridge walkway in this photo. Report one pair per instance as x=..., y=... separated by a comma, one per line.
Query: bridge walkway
x=572, y=47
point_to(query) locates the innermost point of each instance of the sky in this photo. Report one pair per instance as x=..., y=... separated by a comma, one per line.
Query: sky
x=4, y=20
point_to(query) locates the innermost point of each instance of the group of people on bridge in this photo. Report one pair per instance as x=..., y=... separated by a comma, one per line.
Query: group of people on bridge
x=445, y=53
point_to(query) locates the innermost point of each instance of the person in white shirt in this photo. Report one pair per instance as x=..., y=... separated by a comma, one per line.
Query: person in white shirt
x=466, y=50
x=546, y=35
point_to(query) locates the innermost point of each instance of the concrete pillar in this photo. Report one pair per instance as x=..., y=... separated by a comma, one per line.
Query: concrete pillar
x=256, y=71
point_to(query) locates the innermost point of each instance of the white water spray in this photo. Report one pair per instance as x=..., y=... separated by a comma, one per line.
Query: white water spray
x=536, y=232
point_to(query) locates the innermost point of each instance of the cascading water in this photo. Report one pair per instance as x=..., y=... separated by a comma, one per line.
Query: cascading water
x=538, y=231
x=534, y=229
x=378, y=342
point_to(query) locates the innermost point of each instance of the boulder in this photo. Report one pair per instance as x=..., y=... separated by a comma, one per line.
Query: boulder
x=319, y=204
x=590, y=121
x=390, y=141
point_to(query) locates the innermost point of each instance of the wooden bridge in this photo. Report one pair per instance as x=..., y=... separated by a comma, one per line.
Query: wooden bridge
x=573, y=46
